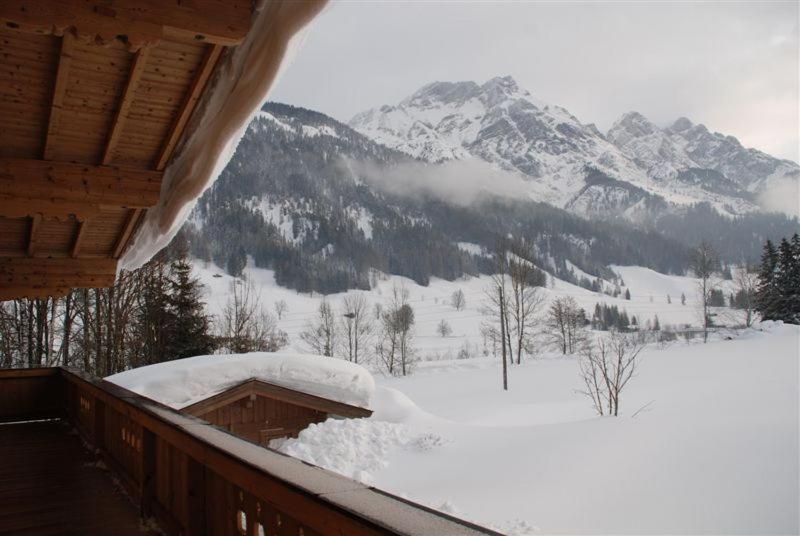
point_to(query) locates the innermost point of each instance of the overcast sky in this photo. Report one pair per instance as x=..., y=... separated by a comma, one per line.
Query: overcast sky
x=730, y=65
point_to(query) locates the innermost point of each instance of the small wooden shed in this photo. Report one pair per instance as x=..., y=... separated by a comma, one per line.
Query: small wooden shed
x=260, y=411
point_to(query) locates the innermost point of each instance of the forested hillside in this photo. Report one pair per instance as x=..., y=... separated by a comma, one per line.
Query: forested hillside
x=296, y=198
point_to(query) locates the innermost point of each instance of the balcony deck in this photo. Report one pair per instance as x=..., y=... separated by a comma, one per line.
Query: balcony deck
x=50, y=484
x=180, y=473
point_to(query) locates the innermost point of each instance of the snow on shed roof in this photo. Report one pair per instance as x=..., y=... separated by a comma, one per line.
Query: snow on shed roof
x=183, y=382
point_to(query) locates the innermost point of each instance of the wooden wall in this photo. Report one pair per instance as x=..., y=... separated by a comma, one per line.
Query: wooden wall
x=259, y=418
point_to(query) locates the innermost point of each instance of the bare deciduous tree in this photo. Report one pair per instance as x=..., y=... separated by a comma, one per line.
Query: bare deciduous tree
x=566, y=325
x=496, y=309
x=245, y=326
x=395, y=349
x=704, y=263
x=281, y=308
x=457, y=300
x=320, y=334
x=356, y=328
x=746, y=283
x=606, y=367
x=526, y=302
x=443, y=328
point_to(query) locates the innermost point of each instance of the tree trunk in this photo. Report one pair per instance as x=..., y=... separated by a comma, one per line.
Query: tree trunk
x=503, y=337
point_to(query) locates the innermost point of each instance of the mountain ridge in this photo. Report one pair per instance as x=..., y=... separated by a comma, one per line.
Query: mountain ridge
x=503, y=124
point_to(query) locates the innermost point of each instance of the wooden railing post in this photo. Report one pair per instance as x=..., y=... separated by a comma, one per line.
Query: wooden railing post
x=99, y=427
x=148, y=473
x=196, y=491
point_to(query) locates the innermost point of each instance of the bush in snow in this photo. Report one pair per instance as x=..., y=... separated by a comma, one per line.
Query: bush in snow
x=457, y=300
x=443, y=328
x=606, y=367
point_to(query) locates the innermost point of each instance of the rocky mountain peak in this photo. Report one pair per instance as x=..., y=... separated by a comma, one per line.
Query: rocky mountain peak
x=680, y=125
x=632, y=124
x=442, y=92
x=502, y=88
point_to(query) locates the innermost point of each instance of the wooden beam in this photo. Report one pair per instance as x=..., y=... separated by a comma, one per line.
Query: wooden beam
x=137, y=68
x=139, y=22
x=36, y=221
x=58, y=189
x=201, y=78
x=76, y=245
x=59, y=89
x=31, y=277
x=130, y=224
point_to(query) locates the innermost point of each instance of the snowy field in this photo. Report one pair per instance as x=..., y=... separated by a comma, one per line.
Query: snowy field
x=649, y=291
x=706, y=443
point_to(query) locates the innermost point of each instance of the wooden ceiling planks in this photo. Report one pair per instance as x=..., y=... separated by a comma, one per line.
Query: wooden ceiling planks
x=94, y=98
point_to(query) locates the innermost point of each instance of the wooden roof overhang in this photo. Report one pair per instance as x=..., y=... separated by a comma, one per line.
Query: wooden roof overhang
x=258, y=387
x=94, y=97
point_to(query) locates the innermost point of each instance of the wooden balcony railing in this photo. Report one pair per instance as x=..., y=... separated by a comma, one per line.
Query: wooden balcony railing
x=194, y=478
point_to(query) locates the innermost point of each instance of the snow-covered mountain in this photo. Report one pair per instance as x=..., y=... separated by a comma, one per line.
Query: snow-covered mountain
x=637, y=169
x=684, y=149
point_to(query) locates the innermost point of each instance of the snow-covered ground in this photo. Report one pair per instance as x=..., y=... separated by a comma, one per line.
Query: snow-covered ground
x=707, y=439
x=649, y=291
x=706, y=442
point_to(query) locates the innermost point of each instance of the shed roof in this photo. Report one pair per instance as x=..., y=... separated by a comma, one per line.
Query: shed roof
x=256, y=386
x=184, y=382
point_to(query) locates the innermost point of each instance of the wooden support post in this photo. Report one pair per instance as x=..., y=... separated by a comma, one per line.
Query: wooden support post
x=148, y=498
x=99, y=427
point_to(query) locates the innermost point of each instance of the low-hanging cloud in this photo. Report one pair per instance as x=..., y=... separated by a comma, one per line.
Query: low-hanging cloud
x=783, y=196
x=461, y=182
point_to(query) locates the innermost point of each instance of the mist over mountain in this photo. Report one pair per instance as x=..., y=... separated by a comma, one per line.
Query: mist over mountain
x=637, y=169
x=326, y=206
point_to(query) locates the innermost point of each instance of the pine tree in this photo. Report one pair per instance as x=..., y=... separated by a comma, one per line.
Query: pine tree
x=767, y=296
x=787, y=281
x=188, y=325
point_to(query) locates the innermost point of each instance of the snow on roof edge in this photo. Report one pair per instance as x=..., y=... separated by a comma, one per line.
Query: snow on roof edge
x=184, y=382
x=238, y=89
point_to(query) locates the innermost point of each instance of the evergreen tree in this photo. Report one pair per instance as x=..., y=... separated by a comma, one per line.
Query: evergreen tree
x=787, y=280
x=767, y=296
x=189, y=330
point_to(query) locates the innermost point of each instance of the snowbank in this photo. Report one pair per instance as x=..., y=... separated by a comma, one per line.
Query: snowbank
x=359, y=448
x=183, y=382
x=706, y=442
